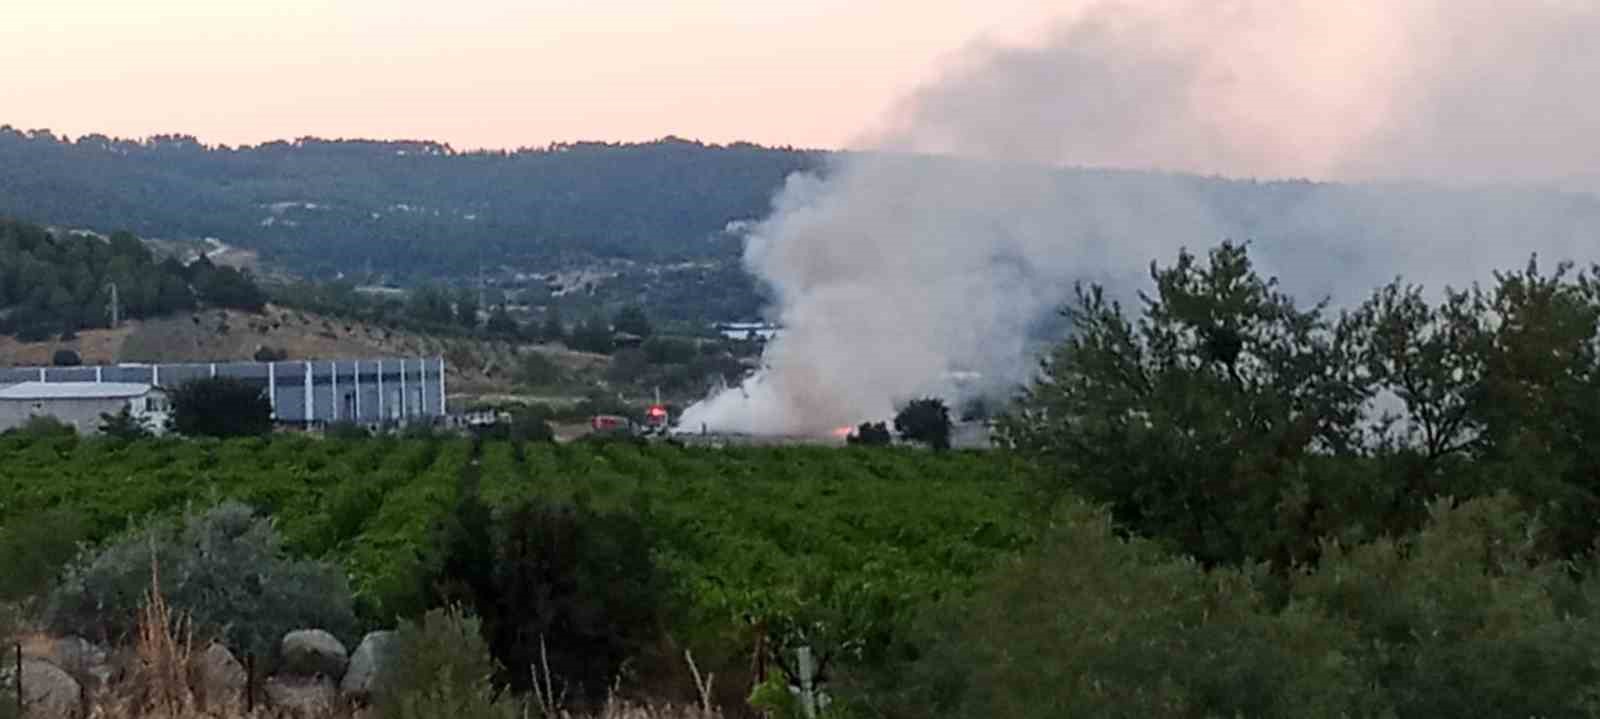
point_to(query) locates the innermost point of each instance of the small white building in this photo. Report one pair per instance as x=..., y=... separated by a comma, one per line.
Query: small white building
x=80, y=404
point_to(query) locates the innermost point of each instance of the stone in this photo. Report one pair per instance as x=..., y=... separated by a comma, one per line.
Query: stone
x=312, y=652
x=220, y=678
x=303, y=696
x=48, y=691
x=365, y=664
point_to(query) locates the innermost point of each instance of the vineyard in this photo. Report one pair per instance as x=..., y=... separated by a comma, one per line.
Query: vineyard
x=816, y=544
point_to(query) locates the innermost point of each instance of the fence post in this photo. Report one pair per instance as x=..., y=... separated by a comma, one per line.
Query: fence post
x=19, y=679
x=250, y=683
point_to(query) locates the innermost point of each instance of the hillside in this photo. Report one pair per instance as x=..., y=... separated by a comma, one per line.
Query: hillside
x=411, y=209
x=220, y=335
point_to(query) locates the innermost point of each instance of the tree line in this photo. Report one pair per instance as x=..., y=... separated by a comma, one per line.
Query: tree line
x=58, y=283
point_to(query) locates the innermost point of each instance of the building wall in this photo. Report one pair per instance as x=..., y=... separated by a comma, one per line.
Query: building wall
x=421, y=383
x=82, y=414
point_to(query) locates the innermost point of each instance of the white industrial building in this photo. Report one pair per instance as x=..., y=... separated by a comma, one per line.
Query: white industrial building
x=81, y=404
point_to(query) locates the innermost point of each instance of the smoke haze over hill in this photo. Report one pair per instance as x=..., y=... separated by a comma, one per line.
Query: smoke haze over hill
x=891, y=271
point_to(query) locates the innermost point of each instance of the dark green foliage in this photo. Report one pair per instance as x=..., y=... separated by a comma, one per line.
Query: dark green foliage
x=871, y=434
x=44, y=426
x=632, y=320
x=581, y=581
x=123, y=426
x=226, y=567
x=220, y=407
x=925, y=420
x=33, y=550
x=667, y=350
x=346, y=431
x=430, y=305
x=225, y=286
x=270, y=354
x=501, y=324
x=591, y=335
x=402, y=207
x=440, y=666
x=65, y=358
x=627, y=366
x=553, y=330
x=467, y=309
x=538, y=370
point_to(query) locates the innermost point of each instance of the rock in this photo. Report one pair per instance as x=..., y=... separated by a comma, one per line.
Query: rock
x=310, y=652
x=364, y=665
x=306, y=697
x=48, y=691
x=219, y=677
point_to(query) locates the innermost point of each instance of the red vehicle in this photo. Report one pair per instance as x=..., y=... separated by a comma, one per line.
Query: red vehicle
x=609, y=423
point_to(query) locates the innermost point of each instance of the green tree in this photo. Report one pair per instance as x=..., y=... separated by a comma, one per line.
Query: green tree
x=467, y=309
x=592, y=335
x=925, y=420
x=220, y=407
x=553, y=330
x=1211, y=421
x=501, y=324
x=871, y=434
x=632, y=320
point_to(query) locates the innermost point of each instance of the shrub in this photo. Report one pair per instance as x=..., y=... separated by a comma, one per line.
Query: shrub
x=871, y=434
x=221, y=407
x=123, y=426
x=33, y=550
x=925, y=420
x=225, y=567
x=66, y=358
x=43, y=426
x=560, y=586
x=346, y=431
x=270, y=354
x=440, y=667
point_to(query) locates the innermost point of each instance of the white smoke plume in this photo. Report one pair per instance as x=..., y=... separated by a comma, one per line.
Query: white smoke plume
x=1456, y=119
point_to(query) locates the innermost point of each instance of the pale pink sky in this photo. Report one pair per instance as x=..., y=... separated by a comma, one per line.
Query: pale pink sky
x=484, y=73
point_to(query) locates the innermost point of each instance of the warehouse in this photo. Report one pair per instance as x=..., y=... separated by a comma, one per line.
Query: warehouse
x=302, y=393
x=81, y=404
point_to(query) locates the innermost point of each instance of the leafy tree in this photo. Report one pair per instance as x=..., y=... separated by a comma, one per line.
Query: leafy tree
x=220, y=407
x=666, y=350
x=871, y=434
x=467, y=309
x=528, y=571
x=627, y=366
x=632, y=320
x=553, y=330
x=1208, y=422
x=925, y=420
x=501, y=324
x=592, y=335
x=430, y=305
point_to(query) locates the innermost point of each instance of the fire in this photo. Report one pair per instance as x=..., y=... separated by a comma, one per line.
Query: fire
x=843, y=432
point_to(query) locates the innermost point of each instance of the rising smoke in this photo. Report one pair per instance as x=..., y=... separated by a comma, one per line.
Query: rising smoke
x=958, y=224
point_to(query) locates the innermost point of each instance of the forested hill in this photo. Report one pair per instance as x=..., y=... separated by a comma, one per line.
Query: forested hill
x=55, y=283
x=419, y=208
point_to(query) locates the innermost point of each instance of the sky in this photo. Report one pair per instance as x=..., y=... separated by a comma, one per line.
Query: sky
x=485, y=73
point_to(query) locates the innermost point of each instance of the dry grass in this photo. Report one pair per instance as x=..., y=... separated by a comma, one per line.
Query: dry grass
x=162, y=682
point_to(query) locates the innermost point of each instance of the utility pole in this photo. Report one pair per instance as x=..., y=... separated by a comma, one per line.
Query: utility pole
x=116, y=309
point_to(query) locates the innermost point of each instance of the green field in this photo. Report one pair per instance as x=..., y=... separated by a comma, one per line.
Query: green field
x=780, y=535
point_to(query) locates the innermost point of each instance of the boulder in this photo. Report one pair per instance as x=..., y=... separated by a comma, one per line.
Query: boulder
x=219, y=677
x=312, y=652
x=84, y=660
x=48, y=691
x=364, y=665
x=302, y=696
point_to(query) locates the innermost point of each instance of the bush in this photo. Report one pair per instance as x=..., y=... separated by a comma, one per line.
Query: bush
x=226, y=567
x=440, y=667
x=270, y=354
x=538, y=370
x=123, y=426
x=567, y=582
x=66, y=358
x=33, y=550
x=925, y=420
x=44, y=426
x=221, y=407
x=346, y=431
x=871, y=434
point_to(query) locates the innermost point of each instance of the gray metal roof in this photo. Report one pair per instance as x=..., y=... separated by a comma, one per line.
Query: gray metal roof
x=27, y=391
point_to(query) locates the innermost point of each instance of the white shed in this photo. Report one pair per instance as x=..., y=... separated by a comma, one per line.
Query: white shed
x=80, y=404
